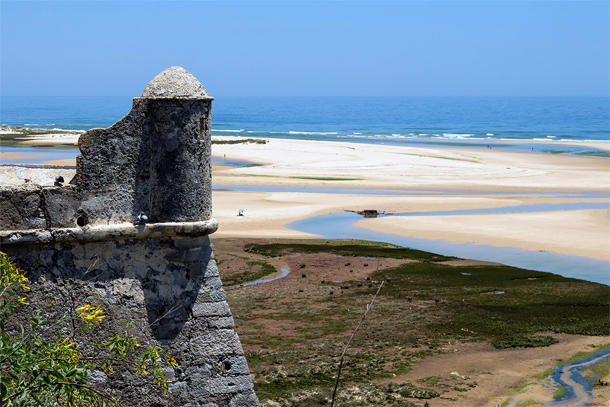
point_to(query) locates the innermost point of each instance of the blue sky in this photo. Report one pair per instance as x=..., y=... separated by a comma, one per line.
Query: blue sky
x=300, y=48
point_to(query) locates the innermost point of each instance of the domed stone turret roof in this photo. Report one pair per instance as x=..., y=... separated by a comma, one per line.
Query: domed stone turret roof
x=175, y=83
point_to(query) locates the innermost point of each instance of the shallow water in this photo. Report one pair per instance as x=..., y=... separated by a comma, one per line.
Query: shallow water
x=285, y=272
x=234, y=163
x=514, y=209
x=29, y=155
x=341, y=226
x=575, y=370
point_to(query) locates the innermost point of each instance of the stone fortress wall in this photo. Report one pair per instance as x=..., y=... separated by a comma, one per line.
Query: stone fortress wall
x=131, y=231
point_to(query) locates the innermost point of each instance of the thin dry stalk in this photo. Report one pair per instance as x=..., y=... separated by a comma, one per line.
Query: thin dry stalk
x=368, y=308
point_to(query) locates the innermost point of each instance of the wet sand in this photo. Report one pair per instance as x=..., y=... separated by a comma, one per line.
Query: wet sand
x=469, y=173
x=578, y=233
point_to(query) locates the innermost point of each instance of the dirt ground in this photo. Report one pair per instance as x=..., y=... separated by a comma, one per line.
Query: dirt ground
x=464, y=373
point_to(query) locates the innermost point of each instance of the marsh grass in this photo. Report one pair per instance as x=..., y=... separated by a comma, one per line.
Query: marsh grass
x=20, y=142
x=534, y=302
x=595, y=153
x=597, y=371
x=257, y=270
x=581, y=355
x=345, y=248
x=294, y=334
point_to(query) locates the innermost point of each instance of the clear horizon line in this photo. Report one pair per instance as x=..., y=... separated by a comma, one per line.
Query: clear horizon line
x=327, y=96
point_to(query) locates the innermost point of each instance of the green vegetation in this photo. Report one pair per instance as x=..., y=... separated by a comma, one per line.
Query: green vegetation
x=257, y=270
x=345, y=248
x=533, y=302
x=598, y=370
x=16, y=142
x=47, y=363
x=294, y=334
x=581, y=355
x=560, y=392
x=595, y=153
x=18, y=136
x=533, y=341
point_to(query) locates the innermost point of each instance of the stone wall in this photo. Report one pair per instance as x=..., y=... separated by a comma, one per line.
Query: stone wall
x=155, y=160
x=132, y=232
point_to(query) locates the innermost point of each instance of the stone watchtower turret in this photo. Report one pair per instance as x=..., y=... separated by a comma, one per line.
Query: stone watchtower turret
x=155, y=160
x=131, y=231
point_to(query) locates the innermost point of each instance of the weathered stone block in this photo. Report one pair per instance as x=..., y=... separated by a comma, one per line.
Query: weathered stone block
x=222, y=323
x=231, y=384
x=214, y=343
x=203, y=370
x=21, y=208
x=178, y=387
x=236, y=365
x=211, y=309
x=210, y=294
x=245, y=399
x=132, y=234
x=220, y=386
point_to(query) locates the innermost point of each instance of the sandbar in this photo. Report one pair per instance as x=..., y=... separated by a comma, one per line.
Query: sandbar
x=475, y=178
x=470, y=175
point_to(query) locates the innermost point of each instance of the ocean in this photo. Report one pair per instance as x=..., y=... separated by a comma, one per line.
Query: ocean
x=505, y=122
x=457, y=121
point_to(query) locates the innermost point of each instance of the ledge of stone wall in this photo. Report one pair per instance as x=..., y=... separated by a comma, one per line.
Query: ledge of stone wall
x=109, y=232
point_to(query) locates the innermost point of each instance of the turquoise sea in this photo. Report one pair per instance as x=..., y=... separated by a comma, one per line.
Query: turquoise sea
x=469, y=121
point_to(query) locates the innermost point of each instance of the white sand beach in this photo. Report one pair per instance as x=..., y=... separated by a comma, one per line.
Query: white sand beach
x=506, y=172
x=468, y=173
x=426, y=180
